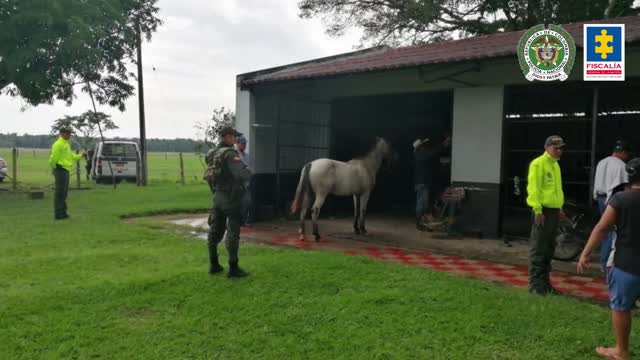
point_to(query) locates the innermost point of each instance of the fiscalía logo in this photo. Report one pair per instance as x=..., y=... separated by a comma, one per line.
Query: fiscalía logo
x=546, y=53
x=604, y=52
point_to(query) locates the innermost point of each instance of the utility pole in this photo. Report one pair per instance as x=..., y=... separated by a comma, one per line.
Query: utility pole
x=143, y=136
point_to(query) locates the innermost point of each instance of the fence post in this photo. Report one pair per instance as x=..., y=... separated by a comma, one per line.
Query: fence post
x=34, y=154
x=138, y=172
x=14, y=154
x=181, y=170
x=78, y=171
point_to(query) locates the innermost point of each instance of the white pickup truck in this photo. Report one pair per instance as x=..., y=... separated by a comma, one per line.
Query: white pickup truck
x=4, y=171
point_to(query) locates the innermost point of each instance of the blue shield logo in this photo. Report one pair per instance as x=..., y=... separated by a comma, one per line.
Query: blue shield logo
x=603, y=43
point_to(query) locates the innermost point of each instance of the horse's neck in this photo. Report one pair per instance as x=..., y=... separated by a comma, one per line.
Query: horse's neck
x=372, y=162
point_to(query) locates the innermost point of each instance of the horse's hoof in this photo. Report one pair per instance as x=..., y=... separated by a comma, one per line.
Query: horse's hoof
x=317, y=238
x=356, y=231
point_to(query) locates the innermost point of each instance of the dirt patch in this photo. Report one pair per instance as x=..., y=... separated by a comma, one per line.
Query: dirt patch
x=142, y=314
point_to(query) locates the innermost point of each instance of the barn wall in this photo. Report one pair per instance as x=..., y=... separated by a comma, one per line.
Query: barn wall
x=264, y=132
x=478, y=116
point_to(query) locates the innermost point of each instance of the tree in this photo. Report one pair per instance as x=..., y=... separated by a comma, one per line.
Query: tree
x=209, y=130
x=86, y=126
x=48, y=48
x=396, y=22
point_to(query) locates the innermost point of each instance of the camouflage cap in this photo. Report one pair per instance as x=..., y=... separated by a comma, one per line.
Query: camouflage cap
x=229, y=130
x=555, y=141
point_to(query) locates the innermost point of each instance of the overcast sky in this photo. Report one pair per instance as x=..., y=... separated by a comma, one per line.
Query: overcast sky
x=197, y=54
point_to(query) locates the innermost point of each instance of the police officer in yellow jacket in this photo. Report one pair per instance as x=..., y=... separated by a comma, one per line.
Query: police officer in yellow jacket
x=61, y=162
x=546, y=198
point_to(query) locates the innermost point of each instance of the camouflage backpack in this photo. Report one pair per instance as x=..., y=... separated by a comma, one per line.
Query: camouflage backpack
x=215, y=164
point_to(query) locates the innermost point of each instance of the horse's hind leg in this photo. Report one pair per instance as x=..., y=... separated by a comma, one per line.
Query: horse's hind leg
x=303, y=216
x=356, y=214
x=315, y=213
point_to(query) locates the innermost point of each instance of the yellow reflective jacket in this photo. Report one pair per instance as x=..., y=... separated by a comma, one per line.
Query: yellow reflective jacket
x=544, y=188
x=62, y=155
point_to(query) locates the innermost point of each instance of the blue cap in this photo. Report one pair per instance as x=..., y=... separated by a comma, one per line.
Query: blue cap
x=242, y=140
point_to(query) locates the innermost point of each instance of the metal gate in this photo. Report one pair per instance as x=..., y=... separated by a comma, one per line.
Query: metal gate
x=302, y=135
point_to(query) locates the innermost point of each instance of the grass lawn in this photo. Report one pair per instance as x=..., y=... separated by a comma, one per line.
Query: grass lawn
x=33, y=168
x=98, y=287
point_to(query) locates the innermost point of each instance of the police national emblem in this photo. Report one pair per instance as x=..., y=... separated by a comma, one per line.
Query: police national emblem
x=546, y=53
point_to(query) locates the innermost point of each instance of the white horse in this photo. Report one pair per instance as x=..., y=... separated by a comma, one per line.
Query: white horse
x=356, y=178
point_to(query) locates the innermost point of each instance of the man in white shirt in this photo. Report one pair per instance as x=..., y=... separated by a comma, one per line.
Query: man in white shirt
x=241, y=147
x=247, y=201
x=611, y=177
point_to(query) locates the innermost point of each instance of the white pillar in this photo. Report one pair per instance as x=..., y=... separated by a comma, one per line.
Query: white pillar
x=476, y=162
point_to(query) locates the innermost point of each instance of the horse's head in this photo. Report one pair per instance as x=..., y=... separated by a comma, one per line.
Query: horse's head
x=386, y=151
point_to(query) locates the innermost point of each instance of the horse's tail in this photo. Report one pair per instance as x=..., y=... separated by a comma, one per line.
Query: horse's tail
x=303, y=188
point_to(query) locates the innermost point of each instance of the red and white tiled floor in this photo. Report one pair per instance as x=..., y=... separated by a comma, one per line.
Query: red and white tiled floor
x=569, y=284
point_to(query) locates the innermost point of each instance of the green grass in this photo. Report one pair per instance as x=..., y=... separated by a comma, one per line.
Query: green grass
x=33, y=168
x=99, y=287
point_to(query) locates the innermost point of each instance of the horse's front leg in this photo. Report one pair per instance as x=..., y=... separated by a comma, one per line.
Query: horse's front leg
x=356, y=214
x=364, y=201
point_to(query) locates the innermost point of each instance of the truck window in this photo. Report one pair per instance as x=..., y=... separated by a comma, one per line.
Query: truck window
x=119, y=150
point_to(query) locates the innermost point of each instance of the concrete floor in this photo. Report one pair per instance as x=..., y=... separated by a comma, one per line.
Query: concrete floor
x=394, y=231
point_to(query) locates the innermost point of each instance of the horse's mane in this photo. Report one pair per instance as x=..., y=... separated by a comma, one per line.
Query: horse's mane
x=371, y=148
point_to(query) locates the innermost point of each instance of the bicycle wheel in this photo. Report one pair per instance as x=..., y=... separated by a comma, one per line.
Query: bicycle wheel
x=568, y=245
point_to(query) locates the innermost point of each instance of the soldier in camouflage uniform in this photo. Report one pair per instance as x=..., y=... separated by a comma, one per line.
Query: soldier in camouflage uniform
x=228, y=191
x=209, y=160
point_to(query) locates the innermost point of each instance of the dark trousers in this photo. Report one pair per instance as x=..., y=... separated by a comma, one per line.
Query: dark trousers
x=424, y=200
x=62, y=189
x=542, y=244
x=221, y=220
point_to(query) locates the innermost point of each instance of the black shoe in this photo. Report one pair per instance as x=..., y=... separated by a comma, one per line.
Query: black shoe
x=420, y=225
x=236, y=272
x=553, y=291
x=215, y=269
x=63, y=217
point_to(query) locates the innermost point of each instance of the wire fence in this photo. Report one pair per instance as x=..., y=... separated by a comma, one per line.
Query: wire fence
x=28, y=169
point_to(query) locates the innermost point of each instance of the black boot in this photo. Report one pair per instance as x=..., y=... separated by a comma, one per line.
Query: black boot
x=235, y=271
x=215, y=267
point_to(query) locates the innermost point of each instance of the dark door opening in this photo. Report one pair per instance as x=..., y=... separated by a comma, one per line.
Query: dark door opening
x=400, y=119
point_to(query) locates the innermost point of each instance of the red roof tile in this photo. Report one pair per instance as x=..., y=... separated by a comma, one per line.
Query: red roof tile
x=381, y=58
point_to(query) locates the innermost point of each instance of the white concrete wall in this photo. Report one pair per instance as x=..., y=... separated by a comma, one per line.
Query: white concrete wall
x=245, y=117
x=477, y=134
